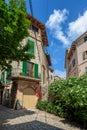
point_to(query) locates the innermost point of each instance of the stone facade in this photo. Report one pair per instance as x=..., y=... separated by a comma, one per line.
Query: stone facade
x=18, y=82
x=76, y=60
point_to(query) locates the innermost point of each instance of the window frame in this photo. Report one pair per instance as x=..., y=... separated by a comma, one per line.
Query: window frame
x=73, y=62
x=85, y=38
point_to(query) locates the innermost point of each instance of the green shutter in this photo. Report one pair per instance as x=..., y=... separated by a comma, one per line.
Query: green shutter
x=24, y=68
x=31, y=43
x=3, y=77
x=9, y=72
x=6, y=72
x=83, y=54
x=36, y=70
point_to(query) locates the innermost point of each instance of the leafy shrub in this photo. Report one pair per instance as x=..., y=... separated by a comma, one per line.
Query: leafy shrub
x=42, y=105
x=70, y=98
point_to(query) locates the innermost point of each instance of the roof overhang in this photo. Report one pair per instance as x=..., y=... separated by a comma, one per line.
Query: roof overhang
x=73, y=46
x=38, y=24
x=48, y=59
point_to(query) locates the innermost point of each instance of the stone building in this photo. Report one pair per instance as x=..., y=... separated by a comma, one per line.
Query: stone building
x=27, y=82
x=58, y=78
x=76, y=57
x=51, y=75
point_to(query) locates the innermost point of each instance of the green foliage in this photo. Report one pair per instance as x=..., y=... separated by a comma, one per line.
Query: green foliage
x=42, y=105
x=71, y=98
x=13, y=29
x=68, y=98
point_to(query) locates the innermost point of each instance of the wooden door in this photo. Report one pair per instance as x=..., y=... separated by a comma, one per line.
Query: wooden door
x=29, y=98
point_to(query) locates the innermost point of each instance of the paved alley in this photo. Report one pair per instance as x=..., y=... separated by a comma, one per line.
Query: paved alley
x=31, y=120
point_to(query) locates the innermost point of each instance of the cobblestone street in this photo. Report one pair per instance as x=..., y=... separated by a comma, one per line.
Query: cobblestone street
x=31, y=120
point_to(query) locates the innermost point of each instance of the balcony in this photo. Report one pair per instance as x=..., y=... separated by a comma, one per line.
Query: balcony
x=18, y=74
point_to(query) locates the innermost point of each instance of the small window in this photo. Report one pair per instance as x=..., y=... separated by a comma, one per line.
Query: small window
x=43, y=73
x=69, y=68
x=73, y=62
x=43, y=76
x=85, y=39
x=86, y=70
x=84, y=55
x=51, y=77
x=34, y=29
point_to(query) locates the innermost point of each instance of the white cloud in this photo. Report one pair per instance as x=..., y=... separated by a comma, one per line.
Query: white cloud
x=55, y=25
x=59, y=73
x=74, y=29
x=56, y=18
x=77, y=27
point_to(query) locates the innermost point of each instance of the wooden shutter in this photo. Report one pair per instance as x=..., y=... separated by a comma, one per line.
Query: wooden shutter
x=83, y=54
x=31, y=43
x=24, y=68
x=36, y=70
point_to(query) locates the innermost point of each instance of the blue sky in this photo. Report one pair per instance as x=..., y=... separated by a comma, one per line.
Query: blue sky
x=65, y=21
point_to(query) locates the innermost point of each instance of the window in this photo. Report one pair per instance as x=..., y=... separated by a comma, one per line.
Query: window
x=30, y=69
x=31, y=43
x=51, y=77
x=84, y=55
x=34, y=29
x=43, y=73
x=86, y=70
x=43, y=76
x=73, y=62
x=85, y=38
x=69, y=68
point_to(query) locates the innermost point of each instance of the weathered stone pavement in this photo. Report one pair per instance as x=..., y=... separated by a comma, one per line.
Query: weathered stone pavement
x=31, y=120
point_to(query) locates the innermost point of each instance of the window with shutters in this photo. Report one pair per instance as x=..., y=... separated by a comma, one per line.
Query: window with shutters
x=30, y=69
x=31, y=43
